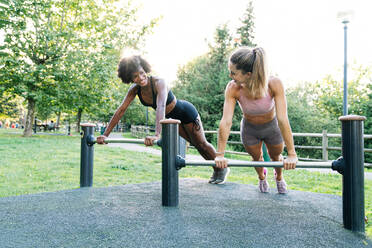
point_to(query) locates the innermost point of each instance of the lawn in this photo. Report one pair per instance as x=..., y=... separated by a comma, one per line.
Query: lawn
x=52, y=162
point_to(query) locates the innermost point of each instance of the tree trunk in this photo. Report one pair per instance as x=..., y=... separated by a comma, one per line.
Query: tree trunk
x=58, y=118
x=29, y=118
x=78, y=119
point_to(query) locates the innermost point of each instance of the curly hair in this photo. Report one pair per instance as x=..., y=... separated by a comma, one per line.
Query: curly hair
x=130, y=65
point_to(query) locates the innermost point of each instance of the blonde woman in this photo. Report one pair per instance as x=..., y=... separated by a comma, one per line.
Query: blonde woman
x=263, y=103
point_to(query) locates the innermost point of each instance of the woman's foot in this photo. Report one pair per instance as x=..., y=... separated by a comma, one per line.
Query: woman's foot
x=281, y=185
x=219, y=176
x=214, y=175
x=263, y=185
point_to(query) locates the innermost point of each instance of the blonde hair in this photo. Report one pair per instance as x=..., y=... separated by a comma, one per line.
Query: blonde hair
x=253, y=61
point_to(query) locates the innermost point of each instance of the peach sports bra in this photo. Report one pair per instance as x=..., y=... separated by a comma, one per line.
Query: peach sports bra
x=256, y=106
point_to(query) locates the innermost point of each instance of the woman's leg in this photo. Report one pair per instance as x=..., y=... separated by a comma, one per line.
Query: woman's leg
x=256, y=152
x=194, y=133
x=275, y=153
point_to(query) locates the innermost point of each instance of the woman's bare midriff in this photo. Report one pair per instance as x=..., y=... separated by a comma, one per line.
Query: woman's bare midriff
x=170, y=106
x=260, y=119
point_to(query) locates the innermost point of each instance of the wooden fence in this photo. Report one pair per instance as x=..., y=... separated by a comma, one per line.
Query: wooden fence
x=141, y=131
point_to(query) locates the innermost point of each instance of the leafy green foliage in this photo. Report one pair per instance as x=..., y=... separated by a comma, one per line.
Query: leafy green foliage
x=61, y=56
x=203, y=80
x=314, y=107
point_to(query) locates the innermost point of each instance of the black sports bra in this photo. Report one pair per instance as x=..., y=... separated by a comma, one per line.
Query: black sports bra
x=153, y=105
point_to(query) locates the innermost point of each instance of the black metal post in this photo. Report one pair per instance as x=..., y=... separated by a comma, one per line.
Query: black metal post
x=35, y=124
x=86, y=156
x=169, y=144
x=353, y=176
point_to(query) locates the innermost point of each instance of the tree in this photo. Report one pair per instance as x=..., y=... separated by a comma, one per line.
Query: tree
x=317, y=106
x=51, y=46
x=203, y=80
x=10, y=107
x=246, y=30
x=329, y=93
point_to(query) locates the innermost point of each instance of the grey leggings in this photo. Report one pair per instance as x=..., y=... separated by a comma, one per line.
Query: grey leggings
x=252, y=134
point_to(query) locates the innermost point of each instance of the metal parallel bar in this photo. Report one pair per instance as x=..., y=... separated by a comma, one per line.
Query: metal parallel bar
x=124, y=140
x=320, y=165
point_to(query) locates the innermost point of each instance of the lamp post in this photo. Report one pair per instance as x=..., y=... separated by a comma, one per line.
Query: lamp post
x=345, y=17
x=345, y=22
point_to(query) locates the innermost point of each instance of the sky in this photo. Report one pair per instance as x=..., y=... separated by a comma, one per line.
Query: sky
x=304, y=40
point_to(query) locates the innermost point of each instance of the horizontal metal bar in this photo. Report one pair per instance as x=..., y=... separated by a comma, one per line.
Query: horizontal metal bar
x=127, y=141
x=318, y=165
x=124, y=140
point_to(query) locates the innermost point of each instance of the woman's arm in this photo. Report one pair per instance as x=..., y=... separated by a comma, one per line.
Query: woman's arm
x=277, y=88
x=161, y=99
x=131, y=94
x=225, y=124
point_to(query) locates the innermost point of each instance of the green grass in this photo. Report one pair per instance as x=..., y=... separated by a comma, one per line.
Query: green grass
x=45, y=163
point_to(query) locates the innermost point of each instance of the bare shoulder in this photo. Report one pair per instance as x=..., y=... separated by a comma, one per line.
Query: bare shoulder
x=133, y=89
x=275, y=84
x=232, y=89
x=232, y=86
x=158, y=80
x=159, y=83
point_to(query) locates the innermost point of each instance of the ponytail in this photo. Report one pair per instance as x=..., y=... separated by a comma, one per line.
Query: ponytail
x=253, y=61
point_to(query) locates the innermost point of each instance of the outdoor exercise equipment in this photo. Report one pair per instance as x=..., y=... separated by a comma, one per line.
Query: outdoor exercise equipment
x=350, y=165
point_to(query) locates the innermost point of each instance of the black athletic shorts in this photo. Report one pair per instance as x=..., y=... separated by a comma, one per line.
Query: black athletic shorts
x=183, y=111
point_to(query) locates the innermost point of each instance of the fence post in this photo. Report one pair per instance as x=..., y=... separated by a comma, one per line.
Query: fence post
x=182, y=147
x=86, y=156
x=353, y=177
x=324, y=145
x=169, y=144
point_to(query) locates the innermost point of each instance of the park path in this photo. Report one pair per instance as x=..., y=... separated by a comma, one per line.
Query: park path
x=142, y=148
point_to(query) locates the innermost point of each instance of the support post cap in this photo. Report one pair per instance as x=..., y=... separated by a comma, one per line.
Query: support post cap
x=87, y=125
x=170, y=121
x=352, y=118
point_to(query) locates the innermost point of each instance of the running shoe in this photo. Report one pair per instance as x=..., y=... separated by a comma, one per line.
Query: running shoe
x=222, y=175
x=281, y=185
x=214, y=175
x=263, y=185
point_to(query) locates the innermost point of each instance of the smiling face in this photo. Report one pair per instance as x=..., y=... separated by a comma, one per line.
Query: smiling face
x=140, y=77
x=238, y=75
